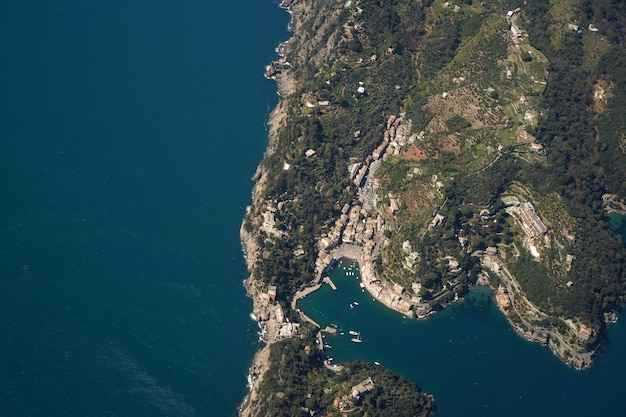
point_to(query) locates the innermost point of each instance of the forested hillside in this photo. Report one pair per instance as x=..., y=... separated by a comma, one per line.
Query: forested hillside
x=514, y=121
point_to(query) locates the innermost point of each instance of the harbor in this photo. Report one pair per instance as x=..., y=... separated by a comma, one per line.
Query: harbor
x=471, y=338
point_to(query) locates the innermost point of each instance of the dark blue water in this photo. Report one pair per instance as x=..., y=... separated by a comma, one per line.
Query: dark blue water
x=128, y=135
x=468, y=356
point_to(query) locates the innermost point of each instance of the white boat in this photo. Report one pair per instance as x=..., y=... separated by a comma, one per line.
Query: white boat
x=357, y=339
x=361, y=285
x=353, y=333
x=376, y=363
x=356, y=303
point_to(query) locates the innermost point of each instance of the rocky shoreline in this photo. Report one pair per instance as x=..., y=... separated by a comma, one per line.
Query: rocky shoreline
x=358, y=233
x=611, y=204
x=264, y=313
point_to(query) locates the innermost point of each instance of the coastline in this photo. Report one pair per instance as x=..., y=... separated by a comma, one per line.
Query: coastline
x=612, y=205
x=364, y=251
x=262, y=311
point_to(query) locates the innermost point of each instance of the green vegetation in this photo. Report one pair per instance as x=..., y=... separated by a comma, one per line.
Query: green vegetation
x=297, y=382
x=481, y=99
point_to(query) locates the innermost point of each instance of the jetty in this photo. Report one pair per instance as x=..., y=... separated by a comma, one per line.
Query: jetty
x=329, y=330
x=331, y=283
x=303, y=293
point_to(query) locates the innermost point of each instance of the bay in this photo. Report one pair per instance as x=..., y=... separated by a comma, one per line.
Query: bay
x=129, y=132
x=468, y=356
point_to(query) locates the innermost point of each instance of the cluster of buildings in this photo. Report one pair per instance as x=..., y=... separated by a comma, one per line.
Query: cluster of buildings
x=359, y=222
x=516, y=33
x=394, y=138
x=361, y=225
x=390, y=296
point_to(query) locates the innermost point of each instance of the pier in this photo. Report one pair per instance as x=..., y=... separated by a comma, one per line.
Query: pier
x=330, y=330
x=303, y=293
x=331, y=283
x=309, y=319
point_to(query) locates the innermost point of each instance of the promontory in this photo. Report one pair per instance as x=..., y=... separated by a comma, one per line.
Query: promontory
x=441, y=145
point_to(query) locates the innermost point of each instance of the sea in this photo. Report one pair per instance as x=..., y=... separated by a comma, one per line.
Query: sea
x=129, y=132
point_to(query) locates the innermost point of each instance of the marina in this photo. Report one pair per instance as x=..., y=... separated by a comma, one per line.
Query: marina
x=473, y=339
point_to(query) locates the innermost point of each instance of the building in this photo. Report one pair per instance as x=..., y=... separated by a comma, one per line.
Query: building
x=537, y=147
x=502, y=298
x=271, y=292
x=437, y=220
x=362, y=388
x=516, y=32
x=531, y=223
x=585, y=332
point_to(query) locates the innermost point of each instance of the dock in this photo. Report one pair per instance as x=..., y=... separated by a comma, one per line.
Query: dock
x=330, y=330
x=331, y=283
x=309, y=319
x=303, y=293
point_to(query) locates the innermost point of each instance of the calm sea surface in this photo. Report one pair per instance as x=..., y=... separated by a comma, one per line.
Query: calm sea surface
x=129, y=131
x=468, y=356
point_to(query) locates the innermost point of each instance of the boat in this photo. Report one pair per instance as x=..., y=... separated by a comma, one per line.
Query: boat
x=361, y=285
x=357, y=339
x=376, y=363
x=356, y=303
x=351, y=306
x=353, y=333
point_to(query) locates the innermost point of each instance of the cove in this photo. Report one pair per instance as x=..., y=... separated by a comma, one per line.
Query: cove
x=467, y=355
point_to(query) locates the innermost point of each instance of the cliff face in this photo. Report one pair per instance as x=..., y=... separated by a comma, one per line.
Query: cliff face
x=452, y=144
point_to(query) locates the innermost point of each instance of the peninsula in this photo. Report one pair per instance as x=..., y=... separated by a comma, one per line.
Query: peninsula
x=441, y=145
